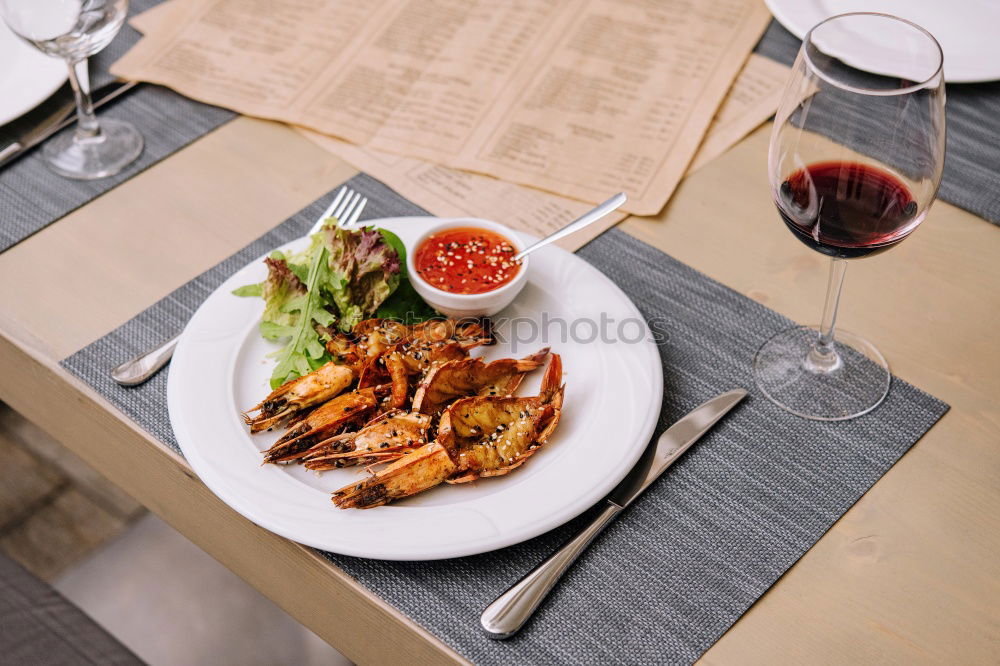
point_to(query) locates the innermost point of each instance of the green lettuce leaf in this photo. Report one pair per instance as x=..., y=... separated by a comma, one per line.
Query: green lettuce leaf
x=284, y=293
x=342, y=278
x=396, y=244
x=405, y=305
x=250, y=290
x=364, y=271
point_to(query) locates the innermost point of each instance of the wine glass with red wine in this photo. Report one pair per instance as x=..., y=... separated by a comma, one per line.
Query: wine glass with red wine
x=854, y=164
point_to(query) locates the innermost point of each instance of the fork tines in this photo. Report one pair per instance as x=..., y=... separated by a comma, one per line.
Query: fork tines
x=346, y=207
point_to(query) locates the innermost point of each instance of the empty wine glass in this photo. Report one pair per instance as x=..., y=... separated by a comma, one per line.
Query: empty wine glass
x=854, y=164
x=74, y=30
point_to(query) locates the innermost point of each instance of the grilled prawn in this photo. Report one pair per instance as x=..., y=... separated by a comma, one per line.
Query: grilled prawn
x=294, y=397
x=371, y=338
x=477, y=437
x=323, y=422
x=383, y=439
x=406, y=361
x=472, y=376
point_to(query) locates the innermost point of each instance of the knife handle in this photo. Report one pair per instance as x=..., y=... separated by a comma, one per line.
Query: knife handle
x=507, y=614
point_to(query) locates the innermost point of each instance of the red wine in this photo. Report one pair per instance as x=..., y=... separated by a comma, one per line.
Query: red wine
x=847, y=209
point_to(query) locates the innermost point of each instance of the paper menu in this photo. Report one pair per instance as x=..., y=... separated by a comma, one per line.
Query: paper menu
x=752, y=99
x=452, y=193
x=448, y=192
x=576, y=97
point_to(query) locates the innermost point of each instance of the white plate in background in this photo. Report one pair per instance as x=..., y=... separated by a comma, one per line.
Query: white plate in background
x=27, y=76
x=968, y=30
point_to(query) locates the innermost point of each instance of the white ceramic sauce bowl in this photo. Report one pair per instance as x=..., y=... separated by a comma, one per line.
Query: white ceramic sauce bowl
x=468, y=305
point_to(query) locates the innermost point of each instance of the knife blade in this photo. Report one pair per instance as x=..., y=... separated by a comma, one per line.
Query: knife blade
x=677, y=439
x=508, y=613
x=59, y=118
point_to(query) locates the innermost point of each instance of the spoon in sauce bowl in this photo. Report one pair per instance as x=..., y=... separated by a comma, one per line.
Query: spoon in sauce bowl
x=576, y=225
x=467, y=267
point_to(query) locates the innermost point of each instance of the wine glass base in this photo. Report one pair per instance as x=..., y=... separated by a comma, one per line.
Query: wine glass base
x=117, y=146
x=854, y=386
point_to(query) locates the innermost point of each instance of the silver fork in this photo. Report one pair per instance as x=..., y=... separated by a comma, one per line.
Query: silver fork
x=346, y=208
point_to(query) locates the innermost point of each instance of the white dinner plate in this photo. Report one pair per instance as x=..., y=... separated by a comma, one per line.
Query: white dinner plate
x=27, y=76
x=966, y=29
x=614, y=389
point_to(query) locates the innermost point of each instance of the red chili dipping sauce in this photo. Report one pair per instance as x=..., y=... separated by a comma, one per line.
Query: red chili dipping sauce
x=466, y=260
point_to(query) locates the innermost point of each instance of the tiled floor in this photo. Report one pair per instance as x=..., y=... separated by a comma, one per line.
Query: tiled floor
x=148, y=585
x=172, y=604
x=54, y=509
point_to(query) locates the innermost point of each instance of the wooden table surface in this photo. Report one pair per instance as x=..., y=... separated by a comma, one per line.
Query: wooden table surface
x=911, y=574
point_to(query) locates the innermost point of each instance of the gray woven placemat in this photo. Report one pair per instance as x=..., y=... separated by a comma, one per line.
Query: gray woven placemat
x=32, y=196
x=973, y=125
x=669, y=577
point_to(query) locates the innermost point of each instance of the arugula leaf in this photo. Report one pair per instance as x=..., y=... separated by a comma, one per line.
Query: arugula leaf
x=305, y=351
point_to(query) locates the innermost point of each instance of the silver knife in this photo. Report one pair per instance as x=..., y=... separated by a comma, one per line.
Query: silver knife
x=59, y=119
x=508, y=613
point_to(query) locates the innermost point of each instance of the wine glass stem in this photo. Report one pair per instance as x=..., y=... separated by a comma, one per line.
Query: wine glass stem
x=79, y=79
x=823, y=358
